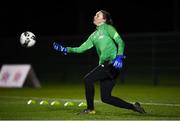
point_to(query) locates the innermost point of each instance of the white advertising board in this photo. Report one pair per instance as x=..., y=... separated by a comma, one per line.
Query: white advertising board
x=16, y=75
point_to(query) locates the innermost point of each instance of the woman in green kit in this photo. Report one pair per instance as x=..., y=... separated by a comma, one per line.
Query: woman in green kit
x=110, y=49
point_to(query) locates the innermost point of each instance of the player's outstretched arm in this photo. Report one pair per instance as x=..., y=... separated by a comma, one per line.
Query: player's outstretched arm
x=58, y=47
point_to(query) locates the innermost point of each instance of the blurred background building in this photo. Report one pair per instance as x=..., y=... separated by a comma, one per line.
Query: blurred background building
x=150, y=30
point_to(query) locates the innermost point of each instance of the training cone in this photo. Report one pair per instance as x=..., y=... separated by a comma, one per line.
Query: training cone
x=29, y=102
x=44, y=102
x=55, y=103
x=82, y=104
x=68, y=104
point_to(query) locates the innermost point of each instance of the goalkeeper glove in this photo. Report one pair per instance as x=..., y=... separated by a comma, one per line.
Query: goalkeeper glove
x=118, y=61
x=60, y=48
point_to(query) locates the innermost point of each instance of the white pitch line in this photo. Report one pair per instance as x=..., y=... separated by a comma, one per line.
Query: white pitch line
x=80, y=100
x=162, y=104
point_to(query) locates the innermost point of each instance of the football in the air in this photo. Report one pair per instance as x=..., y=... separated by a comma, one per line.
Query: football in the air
x=27, y=39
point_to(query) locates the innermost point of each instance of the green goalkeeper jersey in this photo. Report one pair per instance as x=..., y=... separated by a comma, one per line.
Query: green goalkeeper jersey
x=103, y=39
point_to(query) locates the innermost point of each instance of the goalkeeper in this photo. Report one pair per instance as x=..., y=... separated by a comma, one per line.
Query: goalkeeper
x=110, y=49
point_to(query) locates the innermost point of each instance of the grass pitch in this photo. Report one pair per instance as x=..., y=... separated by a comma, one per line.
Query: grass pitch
x=160, y=103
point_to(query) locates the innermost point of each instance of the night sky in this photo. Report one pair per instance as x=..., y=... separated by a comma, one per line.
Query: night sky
x=75, y=17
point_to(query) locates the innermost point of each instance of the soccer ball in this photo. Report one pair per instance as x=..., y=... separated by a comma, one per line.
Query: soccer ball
x=27, y=39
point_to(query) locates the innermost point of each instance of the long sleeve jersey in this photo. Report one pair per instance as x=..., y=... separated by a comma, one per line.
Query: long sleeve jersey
x=103, y=39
